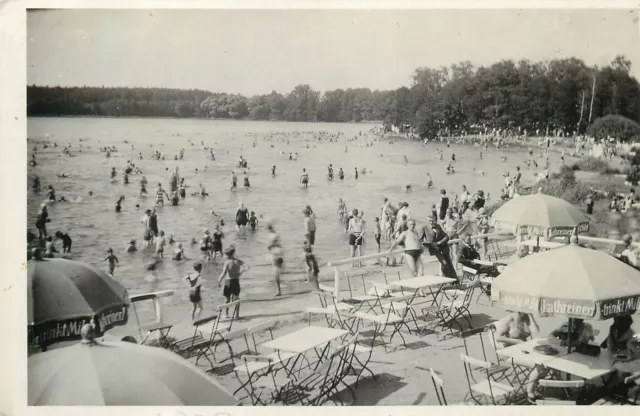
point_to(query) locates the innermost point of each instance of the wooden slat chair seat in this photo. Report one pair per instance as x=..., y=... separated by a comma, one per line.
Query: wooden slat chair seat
x=479, y=343
x=329, y=309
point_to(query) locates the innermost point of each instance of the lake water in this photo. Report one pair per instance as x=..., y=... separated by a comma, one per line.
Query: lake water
x=94, y=225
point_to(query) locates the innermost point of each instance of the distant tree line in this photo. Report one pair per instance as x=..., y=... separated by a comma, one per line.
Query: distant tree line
x=559, y=95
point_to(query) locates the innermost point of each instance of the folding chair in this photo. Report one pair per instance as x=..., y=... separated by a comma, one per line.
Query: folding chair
x=223, y=327
x=448, y=313
x=162, y=328
x=380, y=324
x=227, y=337
x=560, y=392
x=197, y=344
x=329, y=309
x=261, y=369
x=322, y=383
x=477, y=344
x=487, y=388
x=438, y=386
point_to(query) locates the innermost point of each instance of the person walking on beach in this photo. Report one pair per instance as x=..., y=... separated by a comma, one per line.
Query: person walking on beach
x=232, y=269
x=309, y=227
x=193, y=281
x=356, y=233
x=275, y=248
x=412, y=248
x=465, y=199
x=443, y=205
x=304, y=179
x=113, y=260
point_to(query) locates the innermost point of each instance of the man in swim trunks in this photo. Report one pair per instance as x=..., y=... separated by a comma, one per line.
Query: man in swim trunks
x=160, y=193
x=232, y=269
x=412, y=248
x=304, y=179
x=356, y=233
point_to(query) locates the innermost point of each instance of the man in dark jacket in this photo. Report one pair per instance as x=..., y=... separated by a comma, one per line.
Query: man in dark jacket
x=437, y=242
x=468, y=254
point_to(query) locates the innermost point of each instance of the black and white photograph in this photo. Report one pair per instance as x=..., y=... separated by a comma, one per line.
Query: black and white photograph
x=330, y=207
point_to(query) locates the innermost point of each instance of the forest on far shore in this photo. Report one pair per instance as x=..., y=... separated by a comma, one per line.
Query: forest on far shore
x=559, y=95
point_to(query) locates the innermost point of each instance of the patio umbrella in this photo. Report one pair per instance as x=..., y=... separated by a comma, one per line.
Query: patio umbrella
x=119, y=373
x=569, y=281
x=540, y=215
x=63, y=295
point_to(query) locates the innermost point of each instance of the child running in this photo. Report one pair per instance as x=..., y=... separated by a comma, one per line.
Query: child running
x=232, y=269
x=113, y=260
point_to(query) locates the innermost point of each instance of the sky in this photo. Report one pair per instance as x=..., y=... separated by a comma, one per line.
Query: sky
x=256, y=51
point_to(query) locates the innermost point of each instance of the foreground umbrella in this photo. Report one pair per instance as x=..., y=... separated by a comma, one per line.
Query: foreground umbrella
x=570, y=281
x=63, y=295
x=119, y=373
x=541, y=215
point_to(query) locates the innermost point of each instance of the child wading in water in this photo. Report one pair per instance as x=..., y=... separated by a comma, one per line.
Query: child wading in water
x=253, y=220
x=193, y=280
x=112, y=261
x=232, y=269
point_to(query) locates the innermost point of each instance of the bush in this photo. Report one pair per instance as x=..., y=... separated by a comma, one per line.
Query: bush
x=592, y=164
x=564, y=185
x=615, y=126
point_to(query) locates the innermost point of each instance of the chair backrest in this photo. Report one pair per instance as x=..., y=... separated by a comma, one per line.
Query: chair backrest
x=230, y=309
x=566, y=392
x=438, y=386
x=345, y=354
x=263, y=327
x=474, y=343
x=469, y=270
x=472, y=364
x=325, y=288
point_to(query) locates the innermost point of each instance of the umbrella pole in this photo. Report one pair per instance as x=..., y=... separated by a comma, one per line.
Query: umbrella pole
x=569, y=335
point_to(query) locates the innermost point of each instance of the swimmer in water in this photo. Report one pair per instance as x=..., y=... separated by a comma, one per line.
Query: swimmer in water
x=356, y=172
x=160, y=193
x=273, y=170
x=113, y=173
x=119, y=204
x=330, y=174
x=113, y=260
x=341, y=174
x=408, y=188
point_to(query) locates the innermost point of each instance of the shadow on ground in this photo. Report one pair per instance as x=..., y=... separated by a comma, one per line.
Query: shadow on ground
x=370, y=392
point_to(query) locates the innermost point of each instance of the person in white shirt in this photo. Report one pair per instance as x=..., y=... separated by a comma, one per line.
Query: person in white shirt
x=628, y=255
x=464, y=199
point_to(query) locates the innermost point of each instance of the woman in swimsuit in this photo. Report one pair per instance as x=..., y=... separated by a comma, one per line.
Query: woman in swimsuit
x=412, y=248
x=195, y=296
x=515, y=328
x=217, y=241
x=242, y=216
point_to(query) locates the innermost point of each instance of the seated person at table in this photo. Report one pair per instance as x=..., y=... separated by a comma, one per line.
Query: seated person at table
x=468, y=254
x=628, y=366
x=581, y=333
x=515, y=328
x=620, y=333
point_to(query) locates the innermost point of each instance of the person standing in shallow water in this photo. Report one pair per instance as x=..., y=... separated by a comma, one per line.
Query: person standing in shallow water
x=193, y=280
x=304, y=178
x=232, y=269
x=275, y=248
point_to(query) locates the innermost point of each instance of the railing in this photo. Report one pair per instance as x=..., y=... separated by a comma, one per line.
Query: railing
x=337, y=263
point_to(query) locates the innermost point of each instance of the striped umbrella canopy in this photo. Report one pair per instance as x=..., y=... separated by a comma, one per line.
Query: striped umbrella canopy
x=570, y=281
x=539, y=214
x=119, y=374
x=62, y=295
